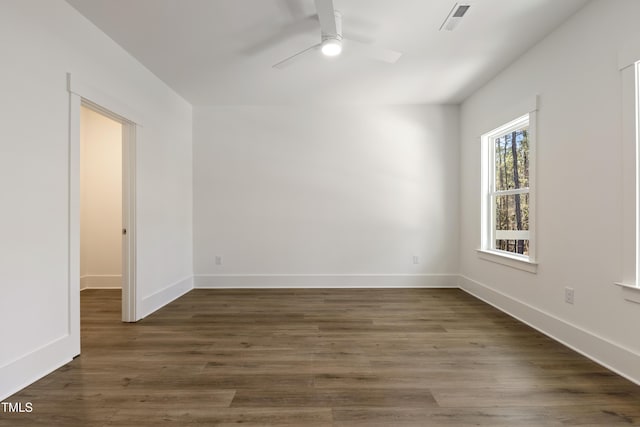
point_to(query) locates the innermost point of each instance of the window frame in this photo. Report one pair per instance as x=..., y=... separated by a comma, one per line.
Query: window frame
x=629, y=67
x=487, y=249
x=636, y=157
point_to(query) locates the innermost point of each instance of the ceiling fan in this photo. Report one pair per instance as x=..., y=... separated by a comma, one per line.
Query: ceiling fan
x=332, y=41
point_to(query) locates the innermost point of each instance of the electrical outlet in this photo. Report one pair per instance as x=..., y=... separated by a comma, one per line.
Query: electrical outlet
x=218, y=260
x=416, y=259
x=568, y=295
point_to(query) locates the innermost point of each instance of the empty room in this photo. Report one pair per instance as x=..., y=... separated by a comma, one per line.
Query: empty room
x=320, y=212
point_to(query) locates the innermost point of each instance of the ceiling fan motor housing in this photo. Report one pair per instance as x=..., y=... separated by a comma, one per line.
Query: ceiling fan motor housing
x=332, y=43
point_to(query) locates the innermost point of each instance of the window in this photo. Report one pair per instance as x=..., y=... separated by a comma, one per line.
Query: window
x=630, y=221
x=507, y=190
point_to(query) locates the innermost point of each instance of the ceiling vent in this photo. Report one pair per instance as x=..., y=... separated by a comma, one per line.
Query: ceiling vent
x=455, y=16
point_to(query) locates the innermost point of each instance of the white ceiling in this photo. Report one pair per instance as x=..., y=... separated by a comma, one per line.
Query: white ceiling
x=220, y=52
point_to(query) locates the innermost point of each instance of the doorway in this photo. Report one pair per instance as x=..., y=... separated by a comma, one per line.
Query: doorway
x=83, y=94
x=100, y=201
x=114, y=123
x=127, y=231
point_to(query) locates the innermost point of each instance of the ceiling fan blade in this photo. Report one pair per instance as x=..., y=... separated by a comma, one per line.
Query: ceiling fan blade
x=266, y=39
x=327, y=17
x=293, y=58
x=372, y=51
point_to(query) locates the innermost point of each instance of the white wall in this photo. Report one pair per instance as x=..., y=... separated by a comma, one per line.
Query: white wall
x=100, y=200
x=315, y=196
x=575, y=72
x=40, y=42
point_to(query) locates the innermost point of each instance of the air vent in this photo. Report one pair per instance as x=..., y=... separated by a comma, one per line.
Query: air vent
x=460, y=11
x=455, y=16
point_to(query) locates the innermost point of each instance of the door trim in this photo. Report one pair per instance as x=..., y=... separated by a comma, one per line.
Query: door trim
x=129, y=294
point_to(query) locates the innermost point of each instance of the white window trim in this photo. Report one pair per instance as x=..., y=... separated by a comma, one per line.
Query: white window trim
x=630, y=74
x=525, y=263
x=510, y=260
x=637, y=169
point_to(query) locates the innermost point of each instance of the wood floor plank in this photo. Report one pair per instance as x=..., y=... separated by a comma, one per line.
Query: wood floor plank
x=518, y=395
x=322, y=357
x=332, y=398
x=462, y=417
x=312, y=417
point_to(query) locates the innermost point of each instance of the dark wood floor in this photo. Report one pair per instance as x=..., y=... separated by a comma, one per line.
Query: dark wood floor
x=423, y=357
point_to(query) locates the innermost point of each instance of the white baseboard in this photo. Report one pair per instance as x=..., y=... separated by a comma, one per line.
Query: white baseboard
x=102, y=281
x=615, y=357
x=164, y=296
x=16, y=375
x=258, y=281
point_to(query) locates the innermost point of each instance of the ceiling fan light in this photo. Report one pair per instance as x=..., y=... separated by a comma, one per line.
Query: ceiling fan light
x=331, y=47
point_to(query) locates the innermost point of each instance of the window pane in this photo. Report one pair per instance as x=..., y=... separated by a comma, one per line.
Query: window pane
x=513, y=246
x=512, y=223
x=512, y=160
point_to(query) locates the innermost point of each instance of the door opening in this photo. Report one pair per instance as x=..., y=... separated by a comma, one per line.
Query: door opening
x=100, y=201
x=118, y=199
x=125, y=239
x=85, y=95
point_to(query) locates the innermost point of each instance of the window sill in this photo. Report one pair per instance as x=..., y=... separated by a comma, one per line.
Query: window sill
x=630, y=292
x=509, y=261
